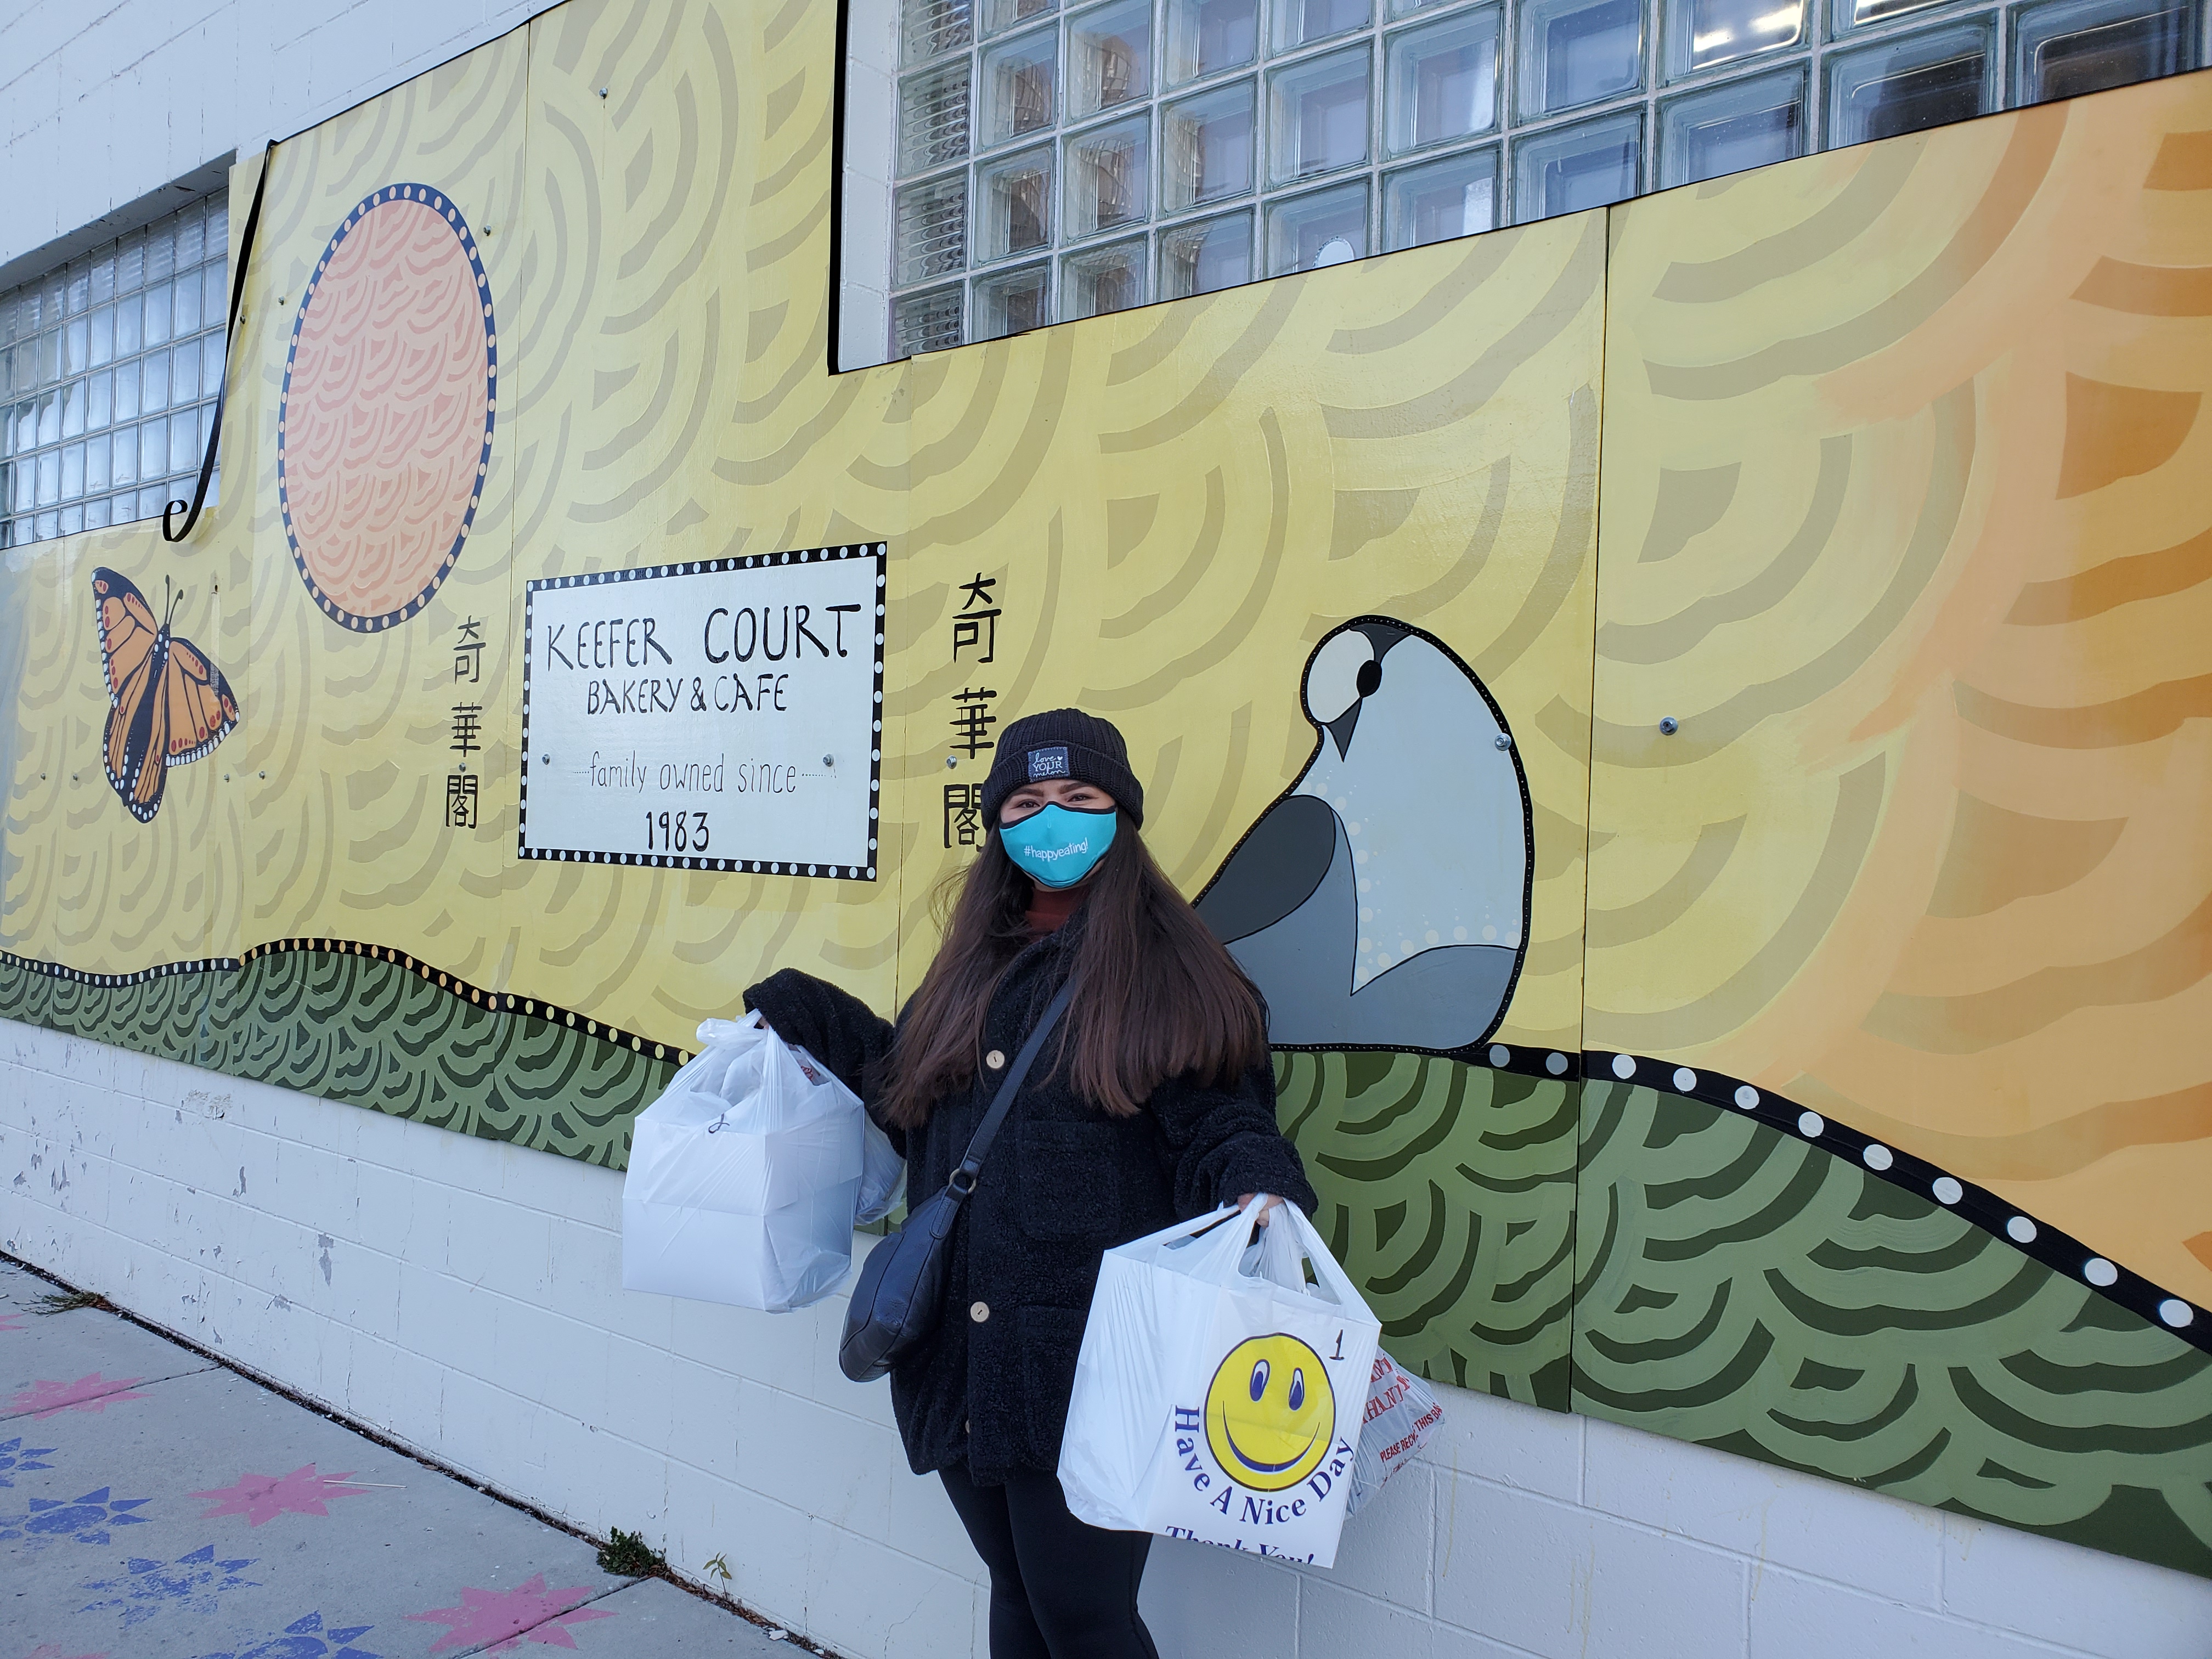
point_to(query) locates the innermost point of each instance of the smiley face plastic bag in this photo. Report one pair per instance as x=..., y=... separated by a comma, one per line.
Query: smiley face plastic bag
x=1219, y=1388
x=744, y=1177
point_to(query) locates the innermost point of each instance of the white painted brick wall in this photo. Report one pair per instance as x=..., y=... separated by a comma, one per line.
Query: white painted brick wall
x=463, y=1297
x=105, y=101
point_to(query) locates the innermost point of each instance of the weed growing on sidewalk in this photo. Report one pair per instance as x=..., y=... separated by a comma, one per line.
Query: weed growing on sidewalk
x=629, y=1556
x=54, y=1301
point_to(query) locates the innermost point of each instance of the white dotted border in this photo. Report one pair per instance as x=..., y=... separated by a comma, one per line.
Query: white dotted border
x=875, y=550
x=2058, y=1251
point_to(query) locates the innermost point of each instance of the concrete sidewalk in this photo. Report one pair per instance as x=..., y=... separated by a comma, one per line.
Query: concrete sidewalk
x=155, y=1505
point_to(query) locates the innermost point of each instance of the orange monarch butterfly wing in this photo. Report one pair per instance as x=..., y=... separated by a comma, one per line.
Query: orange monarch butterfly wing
x=199, y=709
x=149, y=739
x=129, y=701
x=127, y=629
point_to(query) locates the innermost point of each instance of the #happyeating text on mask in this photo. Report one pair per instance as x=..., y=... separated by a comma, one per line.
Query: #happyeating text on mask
x=1058, y=846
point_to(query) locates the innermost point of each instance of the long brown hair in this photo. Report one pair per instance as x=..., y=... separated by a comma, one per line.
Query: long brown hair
x=1157, y=996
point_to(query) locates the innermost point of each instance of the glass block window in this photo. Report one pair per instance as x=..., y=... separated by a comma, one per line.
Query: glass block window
x=1732, y=126
x=1062, y=159
x=1903, y=85
x=109, y=369
x=2063, y=48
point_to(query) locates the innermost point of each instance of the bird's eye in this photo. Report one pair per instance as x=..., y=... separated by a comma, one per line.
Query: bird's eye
x=1370, y=679
x=1340, y=675
x=1297, y=1389
x=1259, y=1379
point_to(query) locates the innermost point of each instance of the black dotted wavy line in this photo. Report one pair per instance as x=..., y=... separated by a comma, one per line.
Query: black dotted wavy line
x=503, y=1002
x=79, y=976
x=2059, y=1251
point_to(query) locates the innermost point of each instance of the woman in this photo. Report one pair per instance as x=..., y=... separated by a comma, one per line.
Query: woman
x=1152, y=1101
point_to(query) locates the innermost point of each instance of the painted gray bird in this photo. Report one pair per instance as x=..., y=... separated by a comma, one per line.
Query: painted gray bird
x=1382, y=901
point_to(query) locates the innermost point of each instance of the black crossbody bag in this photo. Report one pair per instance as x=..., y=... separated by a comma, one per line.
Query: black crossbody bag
x=900, y=1295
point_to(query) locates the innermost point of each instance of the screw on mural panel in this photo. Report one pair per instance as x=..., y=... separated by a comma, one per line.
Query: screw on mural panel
x=629, y=1556
x=1669, y=726
x=54, y=1301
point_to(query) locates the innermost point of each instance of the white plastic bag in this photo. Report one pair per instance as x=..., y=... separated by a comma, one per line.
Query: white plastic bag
x=1218, y=1393
x=882, y=1177
x=1402, y=1412
x=744, y=1176
x=882, y=1172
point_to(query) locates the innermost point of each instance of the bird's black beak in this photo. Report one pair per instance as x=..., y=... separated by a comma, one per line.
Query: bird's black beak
x=1340, y=727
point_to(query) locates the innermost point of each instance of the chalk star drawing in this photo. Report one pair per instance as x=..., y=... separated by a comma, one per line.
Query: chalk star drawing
x=262, y=1497
x=52, y=1651
x=191, y=1584
x=303, y=1638
x=11, y=1321
x=87, y=1519
x=16, y=1458
x=47, y=1396
x=503, y=1617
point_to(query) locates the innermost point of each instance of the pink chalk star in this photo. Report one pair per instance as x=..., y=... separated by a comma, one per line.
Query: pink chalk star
x=262, y=1497
x=11, y=1321
x=47, y=1397
x=49, y=1650
x=503, y=1617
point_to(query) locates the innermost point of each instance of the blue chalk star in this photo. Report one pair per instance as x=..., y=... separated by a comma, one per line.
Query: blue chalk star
x=192, y=1582
x=16, y=1458
x=305, y=1639
x=87, y=1519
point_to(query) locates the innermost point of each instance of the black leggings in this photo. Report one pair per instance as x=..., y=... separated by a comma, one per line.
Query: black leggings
x=1061, y=1589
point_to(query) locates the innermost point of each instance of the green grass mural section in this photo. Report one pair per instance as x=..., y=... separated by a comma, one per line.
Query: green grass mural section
x=1739, y=1287
x=1448, y=1193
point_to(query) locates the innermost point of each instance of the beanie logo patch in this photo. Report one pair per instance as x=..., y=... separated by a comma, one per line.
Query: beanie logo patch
x=1048, y=764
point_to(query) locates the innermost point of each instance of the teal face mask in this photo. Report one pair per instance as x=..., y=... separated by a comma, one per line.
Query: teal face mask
x=1058, y=846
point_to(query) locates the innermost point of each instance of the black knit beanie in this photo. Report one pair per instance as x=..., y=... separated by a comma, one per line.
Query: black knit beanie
x=1062, y=742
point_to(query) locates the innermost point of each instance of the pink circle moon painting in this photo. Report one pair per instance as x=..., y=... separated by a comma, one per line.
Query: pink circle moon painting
x=391, y=389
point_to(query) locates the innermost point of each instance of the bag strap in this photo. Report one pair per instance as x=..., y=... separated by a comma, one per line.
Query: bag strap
x=971, y=1162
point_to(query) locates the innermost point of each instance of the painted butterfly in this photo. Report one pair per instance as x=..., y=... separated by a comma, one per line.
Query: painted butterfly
x=170, y=704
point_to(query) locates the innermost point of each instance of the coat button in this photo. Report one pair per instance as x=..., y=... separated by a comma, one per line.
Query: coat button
x=996, y=1060
x=979, y=1311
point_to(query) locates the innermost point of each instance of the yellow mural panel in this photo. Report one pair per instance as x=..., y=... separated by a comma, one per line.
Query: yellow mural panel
x=1906, y=522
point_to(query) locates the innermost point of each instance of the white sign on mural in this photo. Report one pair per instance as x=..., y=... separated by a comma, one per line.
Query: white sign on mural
x=715, y=714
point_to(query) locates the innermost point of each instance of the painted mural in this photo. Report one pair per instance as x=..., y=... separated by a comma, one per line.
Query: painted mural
x=1735, y=956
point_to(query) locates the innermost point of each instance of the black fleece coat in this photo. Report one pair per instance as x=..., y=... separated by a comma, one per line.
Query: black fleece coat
x=1062, y=1184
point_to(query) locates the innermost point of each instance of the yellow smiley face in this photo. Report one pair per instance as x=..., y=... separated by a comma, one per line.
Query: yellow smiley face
x=1270, y=1412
